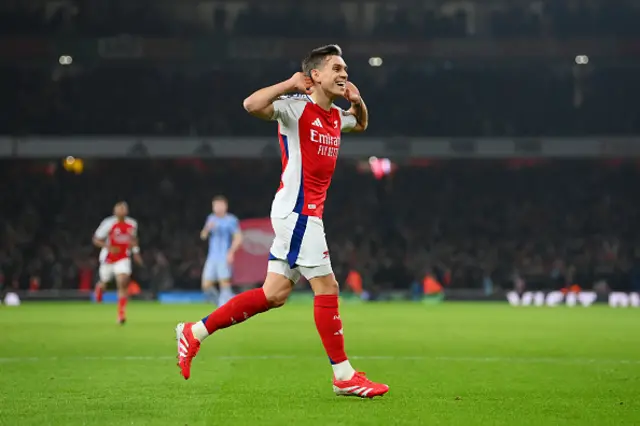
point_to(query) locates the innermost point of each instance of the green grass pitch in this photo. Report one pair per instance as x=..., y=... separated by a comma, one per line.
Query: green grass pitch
x=449, y=364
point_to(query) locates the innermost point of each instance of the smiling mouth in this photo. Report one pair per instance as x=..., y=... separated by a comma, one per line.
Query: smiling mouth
x=341, y=83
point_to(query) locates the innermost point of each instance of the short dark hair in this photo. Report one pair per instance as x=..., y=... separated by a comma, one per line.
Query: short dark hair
x=220, y=198
x=315, y=58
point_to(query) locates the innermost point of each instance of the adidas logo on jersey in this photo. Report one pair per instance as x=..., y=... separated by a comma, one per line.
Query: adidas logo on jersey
x=317, y=123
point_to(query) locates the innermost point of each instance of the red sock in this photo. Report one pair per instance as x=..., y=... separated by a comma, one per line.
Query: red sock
x=329, y=325
x=122, y=307
x=99, y=294
x=238, y=309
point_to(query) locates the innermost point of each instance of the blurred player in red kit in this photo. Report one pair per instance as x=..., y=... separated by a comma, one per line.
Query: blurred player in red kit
x=117, y=237
x=309, y=129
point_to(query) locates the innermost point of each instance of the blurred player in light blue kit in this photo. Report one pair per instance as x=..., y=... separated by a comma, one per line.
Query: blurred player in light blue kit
x=223, y=231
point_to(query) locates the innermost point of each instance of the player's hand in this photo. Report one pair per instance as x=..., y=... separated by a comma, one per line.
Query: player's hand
x=114, y=249
x=301, y=83
x=230, y=257
x=352, y=94
x=138, y=259
x=204, y=234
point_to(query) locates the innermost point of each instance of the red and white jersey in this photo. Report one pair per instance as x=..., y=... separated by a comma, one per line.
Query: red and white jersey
x=117, y=234
x=309, y=141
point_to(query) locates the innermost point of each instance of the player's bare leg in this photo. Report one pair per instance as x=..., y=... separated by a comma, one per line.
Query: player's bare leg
x=99, y=291
x=122, y=281
x=347, y=381
x=272, y=294
x=225, y=291
x=210, y=291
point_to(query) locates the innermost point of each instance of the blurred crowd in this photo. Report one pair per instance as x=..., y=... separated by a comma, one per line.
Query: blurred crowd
x=443, y=100
x=292, y=19
x=469, y=224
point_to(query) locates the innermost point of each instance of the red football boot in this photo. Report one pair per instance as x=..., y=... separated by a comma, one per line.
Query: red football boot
x=360, y=386
x=188, y=347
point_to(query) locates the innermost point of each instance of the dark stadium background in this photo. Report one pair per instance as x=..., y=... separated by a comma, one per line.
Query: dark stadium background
x=511, y=125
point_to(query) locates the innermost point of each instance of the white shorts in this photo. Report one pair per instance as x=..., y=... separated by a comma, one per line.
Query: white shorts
x=109, y=271
x=299, y=247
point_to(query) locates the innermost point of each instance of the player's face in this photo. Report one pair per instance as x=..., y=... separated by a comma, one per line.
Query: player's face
x=219, y=207
x=333, y=76
x=121, y=210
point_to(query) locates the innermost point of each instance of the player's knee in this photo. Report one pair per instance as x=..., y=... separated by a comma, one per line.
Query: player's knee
x=276, y=289
x=324, y=285
x=277, y=297
x=277, y=300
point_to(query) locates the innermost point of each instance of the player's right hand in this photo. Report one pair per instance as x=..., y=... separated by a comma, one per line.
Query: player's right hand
x=114, y=249
x=301, y=83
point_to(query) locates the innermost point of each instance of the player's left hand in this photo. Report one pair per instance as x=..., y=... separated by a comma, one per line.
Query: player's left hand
x=138, y=259
x=352, y=94
x=230, y=257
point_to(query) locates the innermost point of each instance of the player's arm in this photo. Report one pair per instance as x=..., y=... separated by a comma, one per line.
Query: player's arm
x=99, y=242
x=135, y=249
x=260, y=103
x=100, y=236
x=361, y=113
x=236, y=241
x=358, y=108
x=208, y=226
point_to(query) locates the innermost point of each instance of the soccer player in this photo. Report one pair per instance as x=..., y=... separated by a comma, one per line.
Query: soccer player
x=117, y=237
x=223, y=231
x=309, y=127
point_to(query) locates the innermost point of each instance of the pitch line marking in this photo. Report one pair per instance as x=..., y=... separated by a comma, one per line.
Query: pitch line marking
x=516, y=360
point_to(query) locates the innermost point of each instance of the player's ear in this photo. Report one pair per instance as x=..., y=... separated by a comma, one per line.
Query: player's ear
x=315, y=75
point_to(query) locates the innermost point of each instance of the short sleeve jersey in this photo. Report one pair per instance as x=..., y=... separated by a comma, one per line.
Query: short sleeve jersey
x=309, y=142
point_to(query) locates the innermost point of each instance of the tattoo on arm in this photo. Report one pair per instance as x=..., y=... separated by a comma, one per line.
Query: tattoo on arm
x=358, y=113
